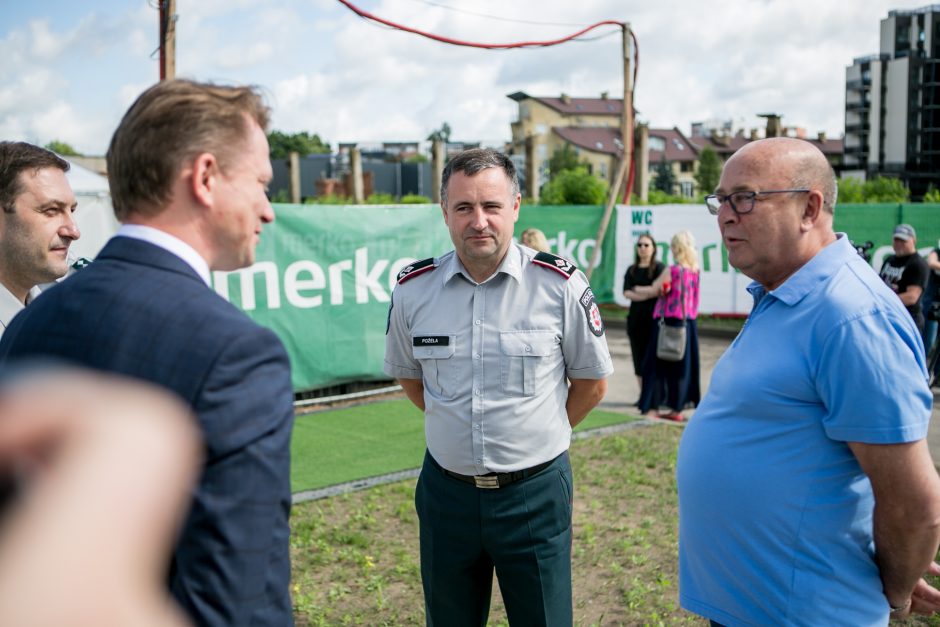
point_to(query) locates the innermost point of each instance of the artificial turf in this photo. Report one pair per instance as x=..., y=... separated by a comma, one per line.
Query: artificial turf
x=337, y=446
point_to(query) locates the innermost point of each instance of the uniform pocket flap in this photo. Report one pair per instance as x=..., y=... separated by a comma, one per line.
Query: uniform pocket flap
x=527, y=343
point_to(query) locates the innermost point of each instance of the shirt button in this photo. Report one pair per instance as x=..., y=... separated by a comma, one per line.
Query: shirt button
x=477, y=427
x=477, y=391
x=477, y=322
x=429, y=351
x=528, y=349
x=476, y=355
x=480, y=462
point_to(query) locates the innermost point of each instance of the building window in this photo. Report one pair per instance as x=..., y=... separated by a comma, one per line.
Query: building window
x=685, y=166
x=657, y=143
x=603, y=169
x=686, y=188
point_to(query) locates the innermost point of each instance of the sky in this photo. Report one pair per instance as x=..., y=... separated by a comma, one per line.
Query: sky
x=70, y=69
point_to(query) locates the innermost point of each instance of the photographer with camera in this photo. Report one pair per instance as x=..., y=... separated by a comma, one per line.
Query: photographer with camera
x=905, y=272
x=930, y=303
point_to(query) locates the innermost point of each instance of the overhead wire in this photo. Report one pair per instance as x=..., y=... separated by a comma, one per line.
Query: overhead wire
x=499, y=18
x=459, y=42
x=628, y=188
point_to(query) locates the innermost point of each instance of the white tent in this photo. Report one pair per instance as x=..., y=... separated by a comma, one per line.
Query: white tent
x=94, y=216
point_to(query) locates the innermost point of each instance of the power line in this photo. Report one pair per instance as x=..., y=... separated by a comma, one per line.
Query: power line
x=459, y=42
x=497, y=17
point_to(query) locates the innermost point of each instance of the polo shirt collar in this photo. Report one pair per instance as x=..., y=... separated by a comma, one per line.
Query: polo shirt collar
x=815, y=271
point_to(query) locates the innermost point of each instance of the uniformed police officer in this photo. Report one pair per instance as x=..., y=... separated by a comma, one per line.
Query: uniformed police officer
x=503, y=349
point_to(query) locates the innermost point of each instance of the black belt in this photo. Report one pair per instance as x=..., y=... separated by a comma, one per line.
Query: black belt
x=493, y=480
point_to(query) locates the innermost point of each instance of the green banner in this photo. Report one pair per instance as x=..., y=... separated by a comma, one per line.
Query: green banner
x=323, y=276
x=876, y=222
x=324, y=273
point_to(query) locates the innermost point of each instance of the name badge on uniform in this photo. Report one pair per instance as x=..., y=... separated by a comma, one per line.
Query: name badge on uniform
x=431, y=340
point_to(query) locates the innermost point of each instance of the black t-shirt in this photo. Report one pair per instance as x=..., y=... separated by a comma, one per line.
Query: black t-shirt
x=900, y=272
x=636, y=276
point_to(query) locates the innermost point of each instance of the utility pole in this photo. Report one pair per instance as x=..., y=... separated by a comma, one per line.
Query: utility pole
x=626, y=120
x=626, y=161
x=167, y=39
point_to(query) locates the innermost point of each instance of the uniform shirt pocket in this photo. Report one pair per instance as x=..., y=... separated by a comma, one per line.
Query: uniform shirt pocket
x=525, y=359
x=438, y=367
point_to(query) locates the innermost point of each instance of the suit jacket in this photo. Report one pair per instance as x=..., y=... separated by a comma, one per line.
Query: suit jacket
x=140, y=311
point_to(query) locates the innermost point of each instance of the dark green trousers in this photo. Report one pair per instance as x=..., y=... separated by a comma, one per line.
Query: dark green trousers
x=523, y=530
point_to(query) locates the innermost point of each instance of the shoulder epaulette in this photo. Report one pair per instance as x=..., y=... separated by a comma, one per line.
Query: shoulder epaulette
x=414, y=269
x=556, y=263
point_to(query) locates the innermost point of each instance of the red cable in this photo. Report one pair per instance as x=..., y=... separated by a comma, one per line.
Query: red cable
x=524, y=44
x=458, y=42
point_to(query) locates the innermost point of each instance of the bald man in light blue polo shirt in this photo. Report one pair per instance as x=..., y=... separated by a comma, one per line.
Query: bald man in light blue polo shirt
x=807, y=495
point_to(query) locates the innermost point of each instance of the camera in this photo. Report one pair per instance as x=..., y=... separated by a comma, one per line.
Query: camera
x=864, y=250
x=933, y=312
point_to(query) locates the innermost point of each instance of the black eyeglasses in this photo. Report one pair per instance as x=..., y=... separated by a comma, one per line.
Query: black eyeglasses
x=643, y=245
x=742, y=202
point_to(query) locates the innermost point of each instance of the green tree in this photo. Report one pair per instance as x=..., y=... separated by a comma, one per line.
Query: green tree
x=879, y=189
x=851, y=190
x=563, y=159
x=709, y=170
x=574, y=187
x=442, y=133
x=665, y=177
x=282, y=144
x=62, y=148
x=932, y=195
x=884, y=189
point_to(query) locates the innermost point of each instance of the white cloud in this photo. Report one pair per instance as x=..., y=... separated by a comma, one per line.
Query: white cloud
x=330, y=72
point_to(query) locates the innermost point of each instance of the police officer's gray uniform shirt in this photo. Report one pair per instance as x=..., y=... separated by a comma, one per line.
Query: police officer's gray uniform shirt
x=494, y=357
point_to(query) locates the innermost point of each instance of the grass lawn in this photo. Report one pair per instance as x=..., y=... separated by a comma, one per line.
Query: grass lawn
x=355, y=556
x=386, y=437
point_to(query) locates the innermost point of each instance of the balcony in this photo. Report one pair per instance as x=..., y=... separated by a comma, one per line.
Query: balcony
x=858, y=84
x=859, y=128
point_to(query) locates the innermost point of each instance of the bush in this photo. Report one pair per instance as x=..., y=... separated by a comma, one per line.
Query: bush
x=574, y=187
x=415, y=199
x=879, y=189
x=331, y=199
x=380, y=198
x=657, y=197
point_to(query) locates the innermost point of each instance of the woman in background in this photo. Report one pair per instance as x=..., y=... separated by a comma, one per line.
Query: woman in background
x=535, y=239
x=674, y=383
x=645, y=269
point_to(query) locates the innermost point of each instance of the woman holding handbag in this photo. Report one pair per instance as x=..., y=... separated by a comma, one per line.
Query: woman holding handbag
x=645, y=269
x=671, y=364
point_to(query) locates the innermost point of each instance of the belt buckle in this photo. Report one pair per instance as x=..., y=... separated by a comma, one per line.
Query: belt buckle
x=486, y=482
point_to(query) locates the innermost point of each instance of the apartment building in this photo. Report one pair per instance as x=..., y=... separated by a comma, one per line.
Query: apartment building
x=892, y=103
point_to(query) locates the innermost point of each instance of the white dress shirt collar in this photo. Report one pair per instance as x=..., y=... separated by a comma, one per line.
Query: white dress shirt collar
x=10, y=305
x=169, y=243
